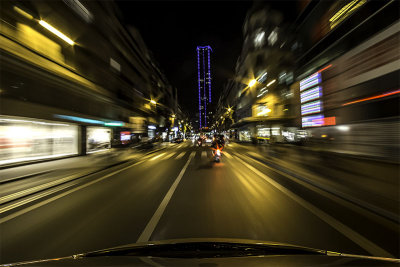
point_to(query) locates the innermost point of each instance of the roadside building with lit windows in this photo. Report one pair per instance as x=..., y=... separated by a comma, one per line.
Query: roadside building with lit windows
x=331, y=75
x=348, y=68
x=260, y=95
x=75, y=80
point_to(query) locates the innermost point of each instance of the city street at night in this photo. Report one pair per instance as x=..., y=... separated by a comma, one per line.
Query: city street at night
x=179, y=192
x=199, y=133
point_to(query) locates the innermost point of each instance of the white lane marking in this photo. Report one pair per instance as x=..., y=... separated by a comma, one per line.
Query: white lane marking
x=204, y=154
x=151, y=225
x=229, y=156
x=23, y=211
x=330, y=193
x=181, y=155
x=37, y=188
x=150, y=262
x=33, y=198
x=168, y=156
x=156, y=157
x=366, y=244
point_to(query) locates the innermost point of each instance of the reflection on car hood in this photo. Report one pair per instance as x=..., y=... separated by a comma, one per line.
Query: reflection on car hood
x=211, y=252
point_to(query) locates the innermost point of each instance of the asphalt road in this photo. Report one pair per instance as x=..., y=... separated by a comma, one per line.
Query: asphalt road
x=180, y=193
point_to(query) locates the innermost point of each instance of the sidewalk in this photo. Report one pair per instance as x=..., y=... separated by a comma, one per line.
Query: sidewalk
x=323, y=148
x=368, y=183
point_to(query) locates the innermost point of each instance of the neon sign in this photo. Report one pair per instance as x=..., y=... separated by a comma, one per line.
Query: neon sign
x=310, y=98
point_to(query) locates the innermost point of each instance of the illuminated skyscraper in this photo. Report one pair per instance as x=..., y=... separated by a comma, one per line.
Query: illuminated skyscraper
x=204, y=84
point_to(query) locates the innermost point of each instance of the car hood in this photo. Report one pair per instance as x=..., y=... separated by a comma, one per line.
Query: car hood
x=211, y=252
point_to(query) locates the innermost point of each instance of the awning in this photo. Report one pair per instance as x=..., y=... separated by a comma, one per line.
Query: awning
x=262, y=119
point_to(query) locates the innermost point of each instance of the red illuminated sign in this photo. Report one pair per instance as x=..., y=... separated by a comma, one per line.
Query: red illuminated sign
x=325, y=121
x=330, y=121
x=125, y=137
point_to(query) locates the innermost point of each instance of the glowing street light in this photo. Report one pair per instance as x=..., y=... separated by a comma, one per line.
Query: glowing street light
x=153, y=102
x=56, y=32
x=252, y=82
x=23, y=13
x=271, y=82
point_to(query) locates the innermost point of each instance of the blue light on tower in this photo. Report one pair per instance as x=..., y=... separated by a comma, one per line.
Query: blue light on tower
x=204, y=78
x=198, y=78
x=209, y=76
x=204, y=87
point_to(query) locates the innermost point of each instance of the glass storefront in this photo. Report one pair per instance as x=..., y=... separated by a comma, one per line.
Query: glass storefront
x=244, y=136
x=263, y=132
x=24, y=139
x=274, y=133
x=98, y=138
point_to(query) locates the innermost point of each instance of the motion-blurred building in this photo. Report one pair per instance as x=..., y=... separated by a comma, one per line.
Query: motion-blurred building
x=348, y=68
x=331, y=75
x=260, y=93
x=74, y=80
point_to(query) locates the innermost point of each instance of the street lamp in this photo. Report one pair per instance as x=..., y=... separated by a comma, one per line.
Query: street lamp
x=153, y=102
x=252, y=82
x=56, y=32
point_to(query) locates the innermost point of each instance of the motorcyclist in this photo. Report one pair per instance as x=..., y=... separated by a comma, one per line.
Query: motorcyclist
x=200, y=141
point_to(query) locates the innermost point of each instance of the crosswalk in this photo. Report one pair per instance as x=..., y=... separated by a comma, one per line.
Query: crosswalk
x=180, y=155
x=205, y=154
x=185, y=144
x=158, y=156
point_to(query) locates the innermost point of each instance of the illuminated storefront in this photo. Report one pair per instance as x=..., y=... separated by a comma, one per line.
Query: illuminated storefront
x=98, y=138
x=151, y=131
x=23, y=139
x=125, y=137
x=263, y=132
x=244, y=136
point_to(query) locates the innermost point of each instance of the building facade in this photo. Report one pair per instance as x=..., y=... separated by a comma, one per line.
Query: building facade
x=204, y=84
x=259, y=102
x=348, y=68
x=74, y=80
x=332, y=75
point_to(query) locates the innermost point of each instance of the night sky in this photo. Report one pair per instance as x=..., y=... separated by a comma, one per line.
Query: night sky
x=173, y=29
